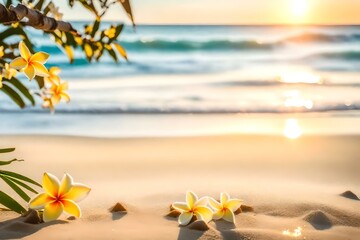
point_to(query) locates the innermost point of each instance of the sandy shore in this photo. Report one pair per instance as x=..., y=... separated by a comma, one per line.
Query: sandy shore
x=290, y=184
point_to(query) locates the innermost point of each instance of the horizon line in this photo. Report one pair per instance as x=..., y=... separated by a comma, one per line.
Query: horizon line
x=224, y=24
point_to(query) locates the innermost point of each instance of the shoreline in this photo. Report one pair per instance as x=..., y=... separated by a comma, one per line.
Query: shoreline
x=179, y=125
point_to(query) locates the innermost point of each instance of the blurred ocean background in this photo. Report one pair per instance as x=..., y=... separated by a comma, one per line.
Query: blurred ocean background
x=231, y=72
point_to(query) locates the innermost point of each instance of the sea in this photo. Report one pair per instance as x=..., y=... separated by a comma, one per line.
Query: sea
x=200, y=79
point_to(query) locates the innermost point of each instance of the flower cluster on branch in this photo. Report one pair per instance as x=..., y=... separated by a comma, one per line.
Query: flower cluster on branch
x=45, y=16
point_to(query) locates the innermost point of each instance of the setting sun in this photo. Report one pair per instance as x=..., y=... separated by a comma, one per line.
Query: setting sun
x=299, y=7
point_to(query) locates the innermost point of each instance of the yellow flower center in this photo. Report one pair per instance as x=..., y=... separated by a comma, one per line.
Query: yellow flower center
x=58, y=90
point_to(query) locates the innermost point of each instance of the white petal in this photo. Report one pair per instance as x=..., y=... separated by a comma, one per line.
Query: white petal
x=185, y=218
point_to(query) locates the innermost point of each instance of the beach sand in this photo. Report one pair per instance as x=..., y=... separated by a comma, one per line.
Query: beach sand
x=289, y=183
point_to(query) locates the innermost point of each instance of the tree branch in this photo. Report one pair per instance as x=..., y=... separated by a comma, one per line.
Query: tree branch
x=35, y=19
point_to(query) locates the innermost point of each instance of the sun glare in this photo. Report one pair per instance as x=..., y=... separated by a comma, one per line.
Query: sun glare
x=299, y=7
x=300, y=77
x=292, y=129
x=294, y=99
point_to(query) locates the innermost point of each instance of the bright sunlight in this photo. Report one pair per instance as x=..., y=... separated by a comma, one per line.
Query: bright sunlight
x=292, y=129
x=299, y=7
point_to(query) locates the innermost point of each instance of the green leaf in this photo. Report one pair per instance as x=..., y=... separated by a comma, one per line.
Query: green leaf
x=23, y=185
x=100, y=52
x=70, y=40
x=18, y=190
x=2, y=163
x=127, y=7
x=118, y=30
x=39, y=5
x=13, y=95
x=9, y=32
x=111, y=52
x=17, y=31
x=89, y=5
x=96, y=26
x=22, y=88
x=40, y=81
x=19, y=176
x=10, y=203
x=7, y=150
x=71, y=3
x=8, y=3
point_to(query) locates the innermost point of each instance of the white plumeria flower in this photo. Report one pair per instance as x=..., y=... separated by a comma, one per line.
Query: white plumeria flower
x=193, y=207
x=225, y=208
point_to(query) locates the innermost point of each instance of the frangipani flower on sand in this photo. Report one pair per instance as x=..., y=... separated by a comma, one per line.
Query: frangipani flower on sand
x=31, y=65
x=59, y=197
x=225, y=208
x=58, y=92
x=193, y=207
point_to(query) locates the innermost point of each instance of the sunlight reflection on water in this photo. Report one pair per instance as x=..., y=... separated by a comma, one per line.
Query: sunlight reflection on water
x=294, y=99
x=292, y=129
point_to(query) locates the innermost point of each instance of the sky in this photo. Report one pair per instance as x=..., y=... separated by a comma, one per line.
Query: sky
x=232, y=12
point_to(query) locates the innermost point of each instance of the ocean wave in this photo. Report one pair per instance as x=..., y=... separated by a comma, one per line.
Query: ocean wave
x=323, y=37
x=189, y=45
x=341, y=55
x=265, y=83
x=183, y=45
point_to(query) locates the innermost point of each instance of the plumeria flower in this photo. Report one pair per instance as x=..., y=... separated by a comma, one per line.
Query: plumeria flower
x=59, y=197
x=110, y=33
x=225, y=208
x=55, y=11
x=57, y=92
x=31, y=64
x=48, y=104
x=89, y=28
x=53, y=75
x=8, y=72
x=78, y=40
x=15, y=25
x=2, y=51
x=193, y=207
